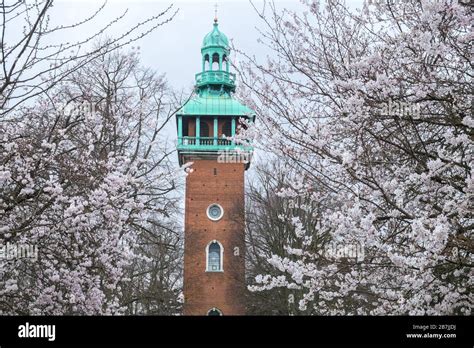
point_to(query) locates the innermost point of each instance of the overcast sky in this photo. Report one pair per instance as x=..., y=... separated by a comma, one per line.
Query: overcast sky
x=174, y=48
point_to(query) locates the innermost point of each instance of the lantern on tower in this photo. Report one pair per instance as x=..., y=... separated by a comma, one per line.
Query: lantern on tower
x=208, y=121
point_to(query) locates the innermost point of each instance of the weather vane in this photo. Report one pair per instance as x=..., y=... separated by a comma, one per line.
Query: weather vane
x=215, y=12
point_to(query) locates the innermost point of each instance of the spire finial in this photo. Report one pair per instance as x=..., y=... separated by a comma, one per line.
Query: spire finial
x=215, y=12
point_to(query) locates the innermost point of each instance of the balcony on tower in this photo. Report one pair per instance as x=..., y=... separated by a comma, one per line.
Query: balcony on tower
x=215, y=78
x=207, y=124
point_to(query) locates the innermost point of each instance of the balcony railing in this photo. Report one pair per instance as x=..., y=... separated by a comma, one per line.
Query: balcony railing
x=216, y=77
x=216, y=148
x=204, y=141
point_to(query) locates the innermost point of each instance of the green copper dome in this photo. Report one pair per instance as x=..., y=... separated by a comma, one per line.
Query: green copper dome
x=215, y=38
x=216, y=105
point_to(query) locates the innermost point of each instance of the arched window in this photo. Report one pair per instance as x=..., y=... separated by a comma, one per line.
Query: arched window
x=206, y=62
x=214, y=312
x=215, y=62
x=225, y=60
x=214, y=254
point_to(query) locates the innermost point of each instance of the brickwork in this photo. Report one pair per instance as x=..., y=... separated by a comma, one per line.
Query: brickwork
x=221, y=183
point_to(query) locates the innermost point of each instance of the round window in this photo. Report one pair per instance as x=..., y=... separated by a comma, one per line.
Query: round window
x=215, y=212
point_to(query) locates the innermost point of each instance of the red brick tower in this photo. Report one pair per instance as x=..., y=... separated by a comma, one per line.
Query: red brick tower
x=214, y=248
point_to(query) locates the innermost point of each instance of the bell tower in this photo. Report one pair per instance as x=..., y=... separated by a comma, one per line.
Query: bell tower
x=214, y=245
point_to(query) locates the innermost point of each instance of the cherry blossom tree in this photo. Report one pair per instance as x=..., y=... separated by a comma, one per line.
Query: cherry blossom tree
x=85, y=176
x=34, y=58
x=373, y=108
x=270, y=229
x=155, y=286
